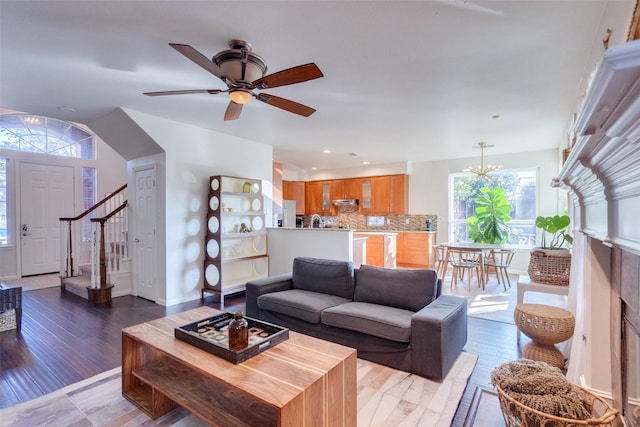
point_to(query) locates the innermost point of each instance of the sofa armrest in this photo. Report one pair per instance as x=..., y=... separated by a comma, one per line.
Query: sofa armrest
x=255, y=288
x=438, y=334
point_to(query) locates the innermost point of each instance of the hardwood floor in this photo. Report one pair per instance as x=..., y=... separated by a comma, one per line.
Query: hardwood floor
x=65, y=340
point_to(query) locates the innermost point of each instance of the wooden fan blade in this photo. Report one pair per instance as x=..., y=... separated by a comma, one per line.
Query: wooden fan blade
x=233, y=111
x=298, y=74
x=201, y=60
x=285, y=104
x=183, y=92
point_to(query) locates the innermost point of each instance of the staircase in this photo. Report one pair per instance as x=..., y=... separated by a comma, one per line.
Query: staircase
x=94, y=251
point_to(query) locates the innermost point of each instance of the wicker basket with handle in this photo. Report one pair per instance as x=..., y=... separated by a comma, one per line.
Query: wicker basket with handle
x=550, y=268
x=516, y=414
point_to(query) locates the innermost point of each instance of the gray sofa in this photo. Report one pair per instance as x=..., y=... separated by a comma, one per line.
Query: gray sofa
x=393, y=317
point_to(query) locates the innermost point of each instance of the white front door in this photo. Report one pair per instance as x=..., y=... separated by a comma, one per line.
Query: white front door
x=144, y=241
x=46, y=194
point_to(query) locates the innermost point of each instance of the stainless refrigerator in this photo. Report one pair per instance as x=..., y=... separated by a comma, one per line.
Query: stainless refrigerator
x=289, y=213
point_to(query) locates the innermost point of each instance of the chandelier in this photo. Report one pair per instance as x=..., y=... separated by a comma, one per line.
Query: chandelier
x=481, y=171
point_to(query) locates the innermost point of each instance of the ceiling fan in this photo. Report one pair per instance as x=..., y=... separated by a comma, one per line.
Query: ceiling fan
x=244, y=73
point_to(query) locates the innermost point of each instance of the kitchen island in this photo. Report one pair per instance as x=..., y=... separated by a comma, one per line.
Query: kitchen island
x=284, y=244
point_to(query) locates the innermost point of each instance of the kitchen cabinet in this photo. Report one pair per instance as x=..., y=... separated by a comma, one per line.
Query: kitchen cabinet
x=385, y=194
x=318, y=196
x=352, y=188
x=236, y=236
x=398, y=194
x=379, y=195
x=380, y=248
x=312, y=197
x=415, y=249
x=295, y=190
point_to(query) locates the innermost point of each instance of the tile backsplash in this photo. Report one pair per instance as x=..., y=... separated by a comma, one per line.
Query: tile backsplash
x=348, y=217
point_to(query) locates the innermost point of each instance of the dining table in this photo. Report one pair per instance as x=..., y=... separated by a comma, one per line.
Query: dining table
x=483, y=248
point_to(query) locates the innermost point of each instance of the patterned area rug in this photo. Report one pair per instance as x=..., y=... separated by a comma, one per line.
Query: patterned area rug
x=386, y=397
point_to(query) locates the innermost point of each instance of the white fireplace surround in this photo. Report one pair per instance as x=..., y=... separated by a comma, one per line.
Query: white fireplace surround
x=602, y=177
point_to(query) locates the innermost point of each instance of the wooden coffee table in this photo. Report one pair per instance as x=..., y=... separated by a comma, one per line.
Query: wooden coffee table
x=302, y=381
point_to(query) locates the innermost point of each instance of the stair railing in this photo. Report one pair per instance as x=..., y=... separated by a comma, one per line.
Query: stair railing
x=110, y=249
x=78, y=237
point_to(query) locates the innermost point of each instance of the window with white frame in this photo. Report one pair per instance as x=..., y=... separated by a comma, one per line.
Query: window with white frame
x=521, y=191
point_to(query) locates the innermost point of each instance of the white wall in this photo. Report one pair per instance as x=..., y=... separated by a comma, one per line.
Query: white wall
x=193, y=155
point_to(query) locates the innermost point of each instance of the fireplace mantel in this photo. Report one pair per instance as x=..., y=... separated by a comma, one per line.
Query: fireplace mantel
x=602, y=172
x=602, y=176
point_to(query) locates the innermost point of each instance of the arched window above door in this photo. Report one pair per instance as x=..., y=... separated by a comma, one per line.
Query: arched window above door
x=39, y=134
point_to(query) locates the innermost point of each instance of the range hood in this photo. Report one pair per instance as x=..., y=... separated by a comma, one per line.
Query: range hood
x=345, y=202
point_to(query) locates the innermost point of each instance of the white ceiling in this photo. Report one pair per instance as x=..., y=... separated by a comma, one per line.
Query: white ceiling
x=403, y=80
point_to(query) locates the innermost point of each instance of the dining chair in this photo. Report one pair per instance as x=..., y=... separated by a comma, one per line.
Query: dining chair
x=441, y=253
x=463, y=260
x=498, y=262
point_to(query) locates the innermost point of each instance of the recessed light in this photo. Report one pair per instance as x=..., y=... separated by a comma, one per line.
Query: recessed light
x=314, y=168
x=67, y=109
x=365, y=163
x=326, y=151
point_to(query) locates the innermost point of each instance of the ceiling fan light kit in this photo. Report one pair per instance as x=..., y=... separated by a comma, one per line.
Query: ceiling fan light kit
x=240, y=63
x=481, y=171
x=240, y=96
x=243, y=72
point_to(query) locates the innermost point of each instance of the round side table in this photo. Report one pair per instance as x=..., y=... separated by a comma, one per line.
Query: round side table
x=546, y=326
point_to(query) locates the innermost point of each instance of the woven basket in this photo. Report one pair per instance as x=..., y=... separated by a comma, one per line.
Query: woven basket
x=551, y=269
x=516, y=414
x=8, y=320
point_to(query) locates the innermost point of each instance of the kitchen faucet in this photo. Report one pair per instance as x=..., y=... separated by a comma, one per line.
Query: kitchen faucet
x=313, y=219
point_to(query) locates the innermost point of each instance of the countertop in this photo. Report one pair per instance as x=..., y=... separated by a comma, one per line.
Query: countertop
x=351, y=229
x=309, y=229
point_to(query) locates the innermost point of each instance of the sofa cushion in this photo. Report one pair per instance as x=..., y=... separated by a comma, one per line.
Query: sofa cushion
x=323, y=275
x=405, y=289
x=298, y=303
x=379, y=320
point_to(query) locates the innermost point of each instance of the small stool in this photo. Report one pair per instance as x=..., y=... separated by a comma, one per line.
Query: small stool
x=546, y=326
x=11, y=306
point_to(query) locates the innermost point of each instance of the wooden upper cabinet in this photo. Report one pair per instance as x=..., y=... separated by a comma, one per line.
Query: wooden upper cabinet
x=319, y=195
x=336, y=191
x=295, y=190
x=313, y=197
x=380, y=194
x=352, y=188
x=398, y=194
x=387, y=194
x=384, y=194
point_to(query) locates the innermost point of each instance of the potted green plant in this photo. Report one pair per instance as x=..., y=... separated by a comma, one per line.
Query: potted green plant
x=489, y=225
x=551, y=263
x=557, y=228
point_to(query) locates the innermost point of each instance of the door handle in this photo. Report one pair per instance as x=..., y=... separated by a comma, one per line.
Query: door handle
x=136, y=240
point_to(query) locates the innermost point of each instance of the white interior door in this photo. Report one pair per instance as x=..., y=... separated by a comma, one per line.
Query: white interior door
x=46, y=194
x=144, y=241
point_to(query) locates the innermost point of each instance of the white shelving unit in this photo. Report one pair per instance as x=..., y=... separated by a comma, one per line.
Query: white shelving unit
x=236, y=240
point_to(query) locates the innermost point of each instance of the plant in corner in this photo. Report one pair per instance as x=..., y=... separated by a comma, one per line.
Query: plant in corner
x=489, y=225
x=556, y=226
